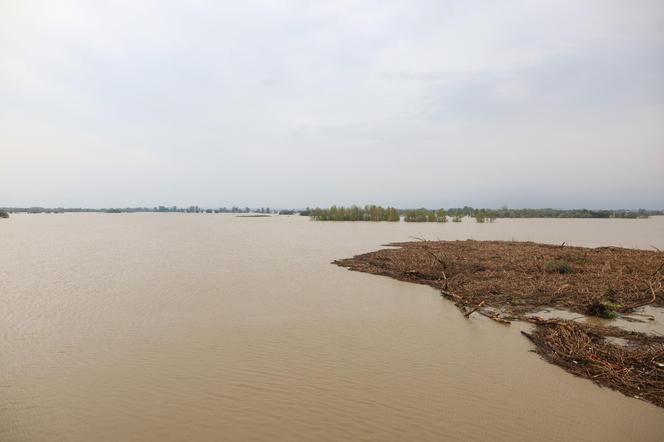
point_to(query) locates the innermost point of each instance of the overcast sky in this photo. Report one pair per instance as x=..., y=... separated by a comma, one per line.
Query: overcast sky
x=292, y=104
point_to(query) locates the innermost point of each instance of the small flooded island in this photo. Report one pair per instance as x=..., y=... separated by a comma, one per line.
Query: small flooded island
x=509, y=280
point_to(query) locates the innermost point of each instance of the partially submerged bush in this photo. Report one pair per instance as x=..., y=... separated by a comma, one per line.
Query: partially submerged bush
x=601, y=309
x=483, y=215
x=606, y=307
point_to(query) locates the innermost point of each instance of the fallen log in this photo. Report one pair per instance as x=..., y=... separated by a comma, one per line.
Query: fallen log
x=495, y=318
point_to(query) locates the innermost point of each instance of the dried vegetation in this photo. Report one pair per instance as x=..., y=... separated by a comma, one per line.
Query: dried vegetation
x=507, y=280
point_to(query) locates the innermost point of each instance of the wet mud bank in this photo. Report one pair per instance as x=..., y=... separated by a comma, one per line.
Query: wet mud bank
x=508, y=280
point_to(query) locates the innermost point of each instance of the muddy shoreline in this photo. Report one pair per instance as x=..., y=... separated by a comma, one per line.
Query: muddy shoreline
x=508, y=280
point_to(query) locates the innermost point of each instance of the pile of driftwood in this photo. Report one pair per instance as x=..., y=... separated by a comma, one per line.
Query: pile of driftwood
x=508, y=280
x=634, y=367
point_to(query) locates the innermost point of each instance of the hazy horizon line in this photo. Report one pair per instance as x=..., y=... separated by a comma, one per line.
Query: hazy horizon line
x=297, y=207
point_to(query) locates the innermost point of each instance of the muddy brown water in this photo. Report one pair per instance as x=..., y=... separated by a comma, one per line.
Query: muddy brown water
x=145, y=327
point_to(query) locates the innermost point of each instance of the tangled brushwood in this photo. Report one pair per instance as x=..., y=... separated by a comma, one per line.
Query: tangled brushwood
x=634, y=367
x=506, y=280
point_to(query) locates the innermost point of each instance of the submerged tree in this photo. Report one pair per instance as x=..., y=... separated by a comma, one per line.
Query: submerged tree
x=484, y=215
x=355, y=213
x=423, y=215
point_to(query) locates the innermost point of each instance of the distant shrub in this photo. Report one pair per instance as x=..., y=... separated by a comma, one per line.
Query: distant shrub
x=4, y=213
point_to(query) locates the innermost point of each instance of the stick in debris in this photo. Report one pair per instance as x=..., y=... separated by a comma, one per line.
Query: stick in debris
x=475, y=309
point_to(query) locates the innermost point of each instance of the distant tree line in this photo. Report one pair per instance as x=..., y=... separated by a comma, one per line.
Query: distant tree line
x=505, y=212
x=355, y=213
x=160, y=209
x=46, y=209
x=425, y=216
x=481, y=215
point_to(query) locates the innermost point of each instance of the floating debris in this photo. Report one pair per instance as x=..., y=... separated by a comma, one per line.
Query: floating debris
x=506, y=280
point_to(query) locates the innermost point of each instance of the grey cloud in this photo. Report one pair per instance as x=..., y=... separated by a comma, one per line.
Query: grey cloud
x=297, y=103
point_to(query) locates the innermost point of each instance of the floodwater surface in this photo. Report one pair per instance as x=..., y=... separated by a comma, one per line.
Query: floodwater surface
x=141, y=327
